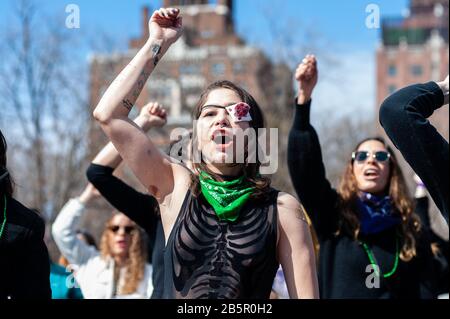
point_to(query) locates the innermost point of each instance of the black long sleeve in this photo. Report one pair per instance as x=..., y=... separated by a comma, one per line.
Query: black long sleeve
x=308, y=174
x=141, y=208
x=404, y=115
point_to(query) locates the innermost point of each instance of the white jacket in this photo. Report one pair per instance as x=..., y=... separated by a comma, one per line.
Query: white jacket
x=94, y=274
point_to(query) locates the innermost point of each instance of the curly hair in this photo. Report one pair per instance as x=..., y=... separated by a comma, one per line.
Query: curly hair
x=250, y=170
x=404, y=206
x=136, y=261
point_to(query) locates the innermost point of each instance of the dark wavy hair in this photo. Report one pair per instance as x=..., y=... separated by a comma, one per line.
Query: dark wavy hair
x=6, y=184
x=249, y=170
x=397, y=190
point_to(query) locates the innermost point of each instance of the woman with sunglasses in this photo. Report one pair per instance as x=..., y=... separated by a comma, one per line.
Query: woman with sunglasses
x=226, y=229
x=371, y=245
x=24, y=260
x=119, y=268
x=403, y=116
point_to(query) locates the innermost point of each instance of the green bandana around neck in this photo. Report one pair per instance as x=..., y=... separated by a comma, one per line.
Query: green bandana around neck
x=227, y=198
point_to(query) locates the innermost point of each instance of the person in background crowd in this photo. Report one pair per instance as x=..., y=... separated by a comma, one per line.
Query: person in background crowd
x=24, y=260
x=372, y=244
x=403, y=116
x=439, y=246
x=119, y=268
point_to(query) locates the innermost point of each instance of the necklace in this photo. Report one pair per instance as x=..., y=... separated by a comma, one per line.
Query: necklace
x=374, y=263
x=4, y=220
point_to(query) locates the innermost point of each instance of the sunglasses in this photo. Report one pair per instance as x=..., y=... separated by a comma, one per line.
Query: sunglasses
x=362, y=156
x=127, y=229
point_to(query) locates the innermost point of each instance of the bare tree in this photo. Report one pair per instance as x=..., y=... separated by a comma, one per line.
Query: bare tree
x=43, y=93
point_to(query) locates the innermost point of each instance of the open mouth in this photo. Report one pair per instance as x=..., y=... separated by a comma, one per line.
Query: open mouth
x=222, y=138
x=370, y=172
x=121, y=243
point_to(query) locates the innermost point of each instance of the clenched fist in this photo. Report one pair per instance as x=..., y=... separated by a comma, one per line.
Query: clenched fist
x=166, y=25
x=154, y=115
x=307, y=75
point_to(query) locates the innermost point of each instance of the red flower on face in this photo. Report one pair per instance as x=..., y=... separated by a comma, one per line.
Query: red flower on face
x=241, y=110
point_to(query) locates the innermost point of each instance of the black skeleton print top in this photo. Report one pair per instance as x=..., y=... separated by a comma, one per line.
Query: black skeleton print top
x=206, y=258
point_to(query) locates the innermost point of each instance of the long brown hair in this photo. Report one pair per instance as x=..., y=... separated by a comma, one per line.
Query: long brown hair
x=397, y=190
x=6, y=184
x=250, y=170
x=137, y=256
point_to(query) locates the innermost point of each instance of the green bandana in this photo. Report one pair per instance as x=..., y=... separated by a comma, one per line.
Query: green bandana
x=227, y=198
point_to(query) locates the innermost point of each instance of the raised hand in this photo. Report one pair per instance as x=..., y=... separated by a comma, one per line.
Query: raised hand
x=166, y=25
x=154, y=115
x=307, y=75
x=89, y=194
x=444, y=85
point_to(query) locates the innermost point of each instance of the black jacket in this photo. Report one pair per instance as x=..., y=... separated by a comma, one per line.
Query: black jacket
x=404, y=118
x=24, y=260
x=343, y=262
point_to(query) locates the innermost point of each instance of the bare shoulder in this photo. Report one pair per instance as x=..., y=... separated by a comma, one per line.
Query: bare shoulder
x=289, y=208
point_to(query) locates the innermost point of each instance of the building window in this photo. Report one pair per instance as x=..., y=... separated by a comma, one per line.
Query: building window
x=416, y=70
x=392, y=89
x=207, y=34
x=238, y=67
x=218, y=69
x=392, y=71
x=190, y=69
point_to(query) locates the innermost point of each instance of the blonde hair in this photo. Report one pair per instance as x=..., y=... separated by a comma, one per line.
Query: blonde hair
x=402, y=203
x=136, y=261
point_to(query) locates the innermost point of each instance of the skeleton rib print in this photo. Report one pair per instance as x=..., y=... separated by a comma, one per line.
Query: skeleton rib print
x=213, y=259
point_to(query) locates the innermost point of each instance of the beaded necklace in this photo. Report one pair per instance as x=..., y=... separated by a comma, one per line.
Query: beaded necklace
x=374, y=263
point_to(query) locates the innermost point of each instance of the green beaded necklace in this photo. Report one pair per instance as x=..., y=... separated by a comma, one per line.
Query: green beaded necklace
x=374, y=263
x=4, y=220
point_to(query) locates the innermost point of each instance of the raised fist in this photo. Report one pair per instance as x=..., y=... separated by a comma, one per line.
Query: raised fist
x=166, y=25
x=307, y=75
x=154, y=115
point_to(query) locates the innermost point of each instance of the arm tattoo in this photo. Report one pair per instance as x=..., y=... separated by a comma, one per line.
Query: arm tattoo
x=127, y=104
x=156, y=50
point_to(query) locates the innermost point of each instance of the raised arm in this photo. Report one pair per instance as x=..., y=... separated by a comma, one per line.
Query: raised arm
x=305, y=157
x=295, y=249
x=141, y=155
x=64, y=229
x=403, y=116
x=141, y=208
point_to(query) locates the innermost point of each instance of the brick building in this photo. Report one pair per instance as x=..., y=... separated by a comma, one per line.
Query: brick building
x=415, y=49
x=209, y=50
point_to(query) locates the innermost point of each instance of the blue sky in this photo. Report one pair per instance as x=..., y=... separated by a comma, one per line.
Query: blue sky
x=340, y=23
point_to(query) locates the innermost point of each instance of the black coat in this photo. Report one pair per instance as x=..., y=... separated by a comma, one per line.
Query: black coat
x=24, y=260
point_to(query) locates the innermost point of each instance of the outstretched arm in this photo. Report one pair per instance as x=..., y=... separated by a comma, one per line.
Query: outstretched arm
x=66, y=224
x=305, y=161
x=404, y=115
x=140, y=154
x=295, y=249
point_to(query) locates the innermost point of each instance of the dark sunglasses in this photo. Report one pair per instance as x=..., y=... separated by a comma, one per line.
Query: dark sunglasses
x=128, y=229
x=362, y=156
